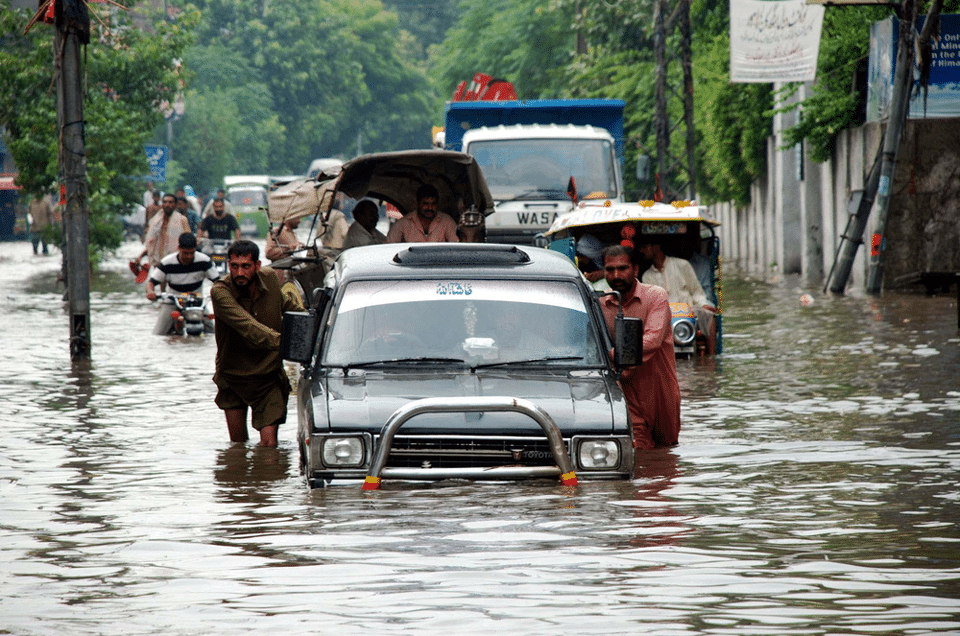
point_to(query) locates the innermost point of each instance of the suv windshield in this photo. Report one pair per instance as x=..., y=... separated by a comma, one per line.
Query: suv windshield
x=541, y=168
x=478, y=322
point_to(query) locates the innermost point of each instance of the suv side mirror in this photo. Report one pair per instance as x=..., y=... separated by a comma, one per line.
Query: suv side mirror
x=627, y=337
x=628, y=342
x=297, y=336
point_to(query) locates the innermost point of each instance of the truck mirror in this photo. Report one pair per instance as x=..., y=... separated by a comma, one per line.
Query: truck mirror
x=297, y=335
x=628, y=342
x=643, y=167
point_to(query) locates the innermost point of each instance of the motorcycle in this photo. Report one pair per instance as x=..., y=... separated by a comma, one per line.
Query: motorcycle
x=216, y=249
x=190, y=314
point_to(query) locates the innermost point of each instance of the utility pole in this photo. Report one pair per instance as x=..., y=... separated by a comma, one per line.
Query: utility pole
x=880, y=178
x=899, y=107
x=677, y=173
x=72, y=28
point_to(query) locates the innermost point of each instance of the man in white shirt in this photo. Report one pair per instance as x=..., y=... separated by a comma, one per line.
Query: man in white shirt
x=363, y=230
x=676, y=275
x=183, y=272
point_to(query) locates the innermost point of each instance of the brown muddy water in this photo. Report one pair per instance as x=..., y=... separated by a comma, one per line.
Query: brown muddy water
x=815, y=490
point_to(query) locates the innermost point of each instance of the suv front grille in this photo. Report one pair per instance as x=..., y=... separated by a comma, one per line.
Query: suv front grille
x=414, y=451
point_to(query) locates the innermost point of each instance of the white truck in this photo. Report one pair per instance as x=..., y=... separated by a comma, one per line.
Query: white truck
x=539, y=157
x=248, y=196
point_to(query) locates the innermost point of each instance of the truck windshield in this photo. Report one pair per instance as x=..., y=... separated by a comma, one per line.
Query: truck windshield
x=541, y=168
x=248, y=197
x=476, y=322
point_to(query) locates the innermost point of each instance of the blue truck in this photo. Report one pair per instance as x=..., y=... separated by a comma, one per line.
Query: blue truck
x=539, y=157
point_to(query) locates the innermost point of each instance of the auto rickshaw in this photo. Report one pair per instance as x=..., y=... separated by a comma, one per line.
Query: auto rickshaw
x=389, y=179
x=682, y=229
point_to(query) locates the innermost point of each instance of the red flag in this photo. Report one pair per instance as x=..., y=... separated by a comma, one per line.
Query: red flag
x=572, y=189
x=658, y=193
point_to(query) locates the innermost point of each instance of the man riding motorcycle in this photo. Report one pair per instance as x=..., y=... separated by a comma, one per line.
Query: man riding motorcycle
x=184, y=272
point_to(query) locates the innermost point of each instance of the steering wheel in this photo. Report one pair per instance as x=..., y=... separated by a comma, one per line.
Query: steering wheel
x=398, y=341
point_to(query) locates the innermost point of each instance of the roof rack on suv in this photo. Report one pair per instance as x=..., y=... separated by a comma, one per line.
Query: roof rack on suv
x=431, y=254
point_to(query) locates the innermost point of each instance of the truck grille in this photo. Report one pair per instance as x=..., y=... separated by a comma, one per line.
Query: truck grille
x=413, y=451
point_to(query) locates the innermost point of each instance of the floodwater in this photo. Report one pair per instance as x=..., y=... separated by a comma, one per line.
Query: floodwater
x=815, y=490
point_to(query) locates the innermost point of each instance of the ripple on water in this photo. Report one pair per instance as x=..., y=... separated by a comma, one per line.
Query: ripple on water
x=814, y=492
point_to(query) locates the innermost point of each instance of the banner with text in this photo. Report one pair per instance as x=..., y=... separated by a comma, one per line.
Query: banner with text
x=774, y=41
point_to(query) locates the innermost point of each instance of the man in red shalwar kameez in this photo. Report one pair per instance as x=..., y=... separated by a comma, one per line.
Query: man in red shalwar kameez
x=651, y=389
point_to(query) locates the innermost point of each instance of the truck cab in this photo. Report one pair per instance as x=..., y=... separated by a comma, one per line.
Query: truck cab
x=248, y=196
x=534, y=172
x=539, y=157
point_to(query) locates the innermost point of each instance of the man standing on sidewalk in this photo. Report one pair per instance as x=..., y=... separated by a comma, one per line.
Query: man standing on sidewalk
x=41, y=216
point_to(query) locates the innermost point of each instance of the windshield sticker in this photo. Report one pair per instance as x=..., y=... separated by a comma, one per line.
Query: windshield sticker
x=361, y=294
x=454, y=289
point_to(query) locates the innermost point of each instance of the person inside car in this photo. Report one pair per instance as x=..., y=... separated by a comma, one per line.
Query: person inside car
x=363, y=230
x=427, y=224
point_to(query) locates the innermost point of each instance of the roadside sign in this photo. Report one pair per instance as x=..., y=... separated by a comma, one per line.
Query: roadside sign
x=157, y=158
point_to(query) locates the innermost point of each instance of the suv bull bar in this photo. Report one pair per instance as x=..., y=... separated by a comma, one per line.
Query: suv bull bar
x=473, y=405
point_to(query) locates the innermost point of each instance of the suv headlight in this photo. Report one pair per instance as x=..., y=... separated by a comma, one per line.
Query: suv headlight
x=345, y=452
x=598, y=454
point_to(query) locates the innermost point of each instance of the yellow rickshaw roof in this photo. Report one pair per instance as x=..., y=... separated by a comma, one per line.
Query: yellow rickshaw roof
x=587, y=213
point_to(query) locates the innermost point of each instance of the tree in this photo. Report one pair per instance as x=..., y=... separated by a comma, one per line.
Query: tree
x=844, y=46
x=528, y=42
x=329, y=71
x=423, y=23
x=129, y=73
x=230, y=124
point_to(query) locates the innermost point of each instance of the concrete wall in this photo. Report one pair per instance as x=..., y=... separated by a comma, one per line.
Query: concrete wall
x=796, y=218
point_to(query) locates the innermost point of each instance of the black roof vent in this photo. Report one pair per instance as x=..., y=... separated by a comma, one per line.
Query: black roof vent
x=442, y=254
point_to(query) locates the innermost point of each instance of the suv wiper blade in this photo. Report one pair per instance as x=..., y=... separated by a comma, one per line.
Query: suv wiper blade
x=360, y=365
x=526, y=361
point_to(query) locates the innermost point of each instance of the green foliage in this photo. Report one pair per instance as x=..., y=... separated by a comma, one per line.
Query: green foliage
x=231, y=125
x=733, y=123
x=528, y=42
x=279, y=84
x=127, y=73
x=845, y=43
x=423, y=23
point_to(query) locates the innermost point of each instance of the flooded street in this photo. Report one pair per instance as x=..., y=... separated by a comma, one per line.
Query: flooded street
x=815, y=490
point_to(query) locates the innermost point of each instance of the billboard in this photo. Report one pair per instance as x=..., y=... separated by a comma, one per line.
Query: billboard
x=774, y=41
x=943, y=94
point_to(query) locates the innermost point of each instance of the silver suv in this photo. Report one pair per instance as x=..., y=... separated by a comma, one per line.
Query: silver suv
x=477, y=361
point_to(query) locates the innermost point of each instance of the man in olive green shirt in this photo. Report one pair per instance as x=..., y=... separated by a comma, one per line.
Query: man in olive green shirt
x=248, y=306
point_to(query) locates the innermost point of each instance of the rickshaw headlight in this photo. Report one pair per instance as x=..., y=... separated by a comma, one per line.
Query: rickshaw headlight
x=683, y=332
